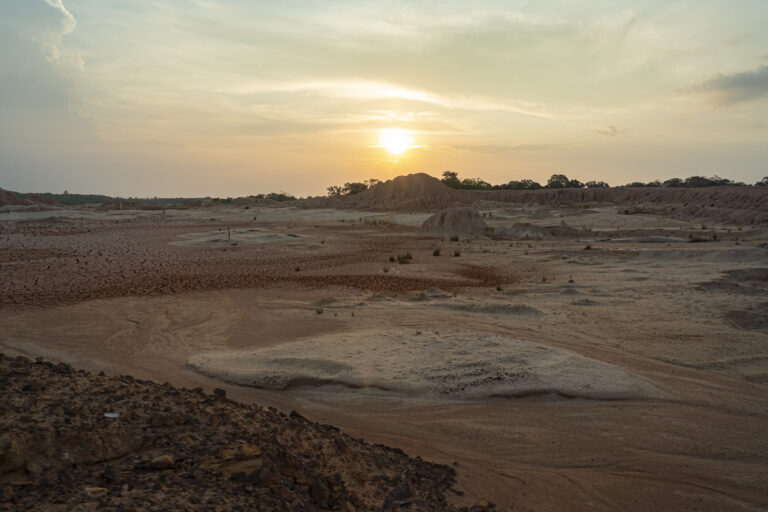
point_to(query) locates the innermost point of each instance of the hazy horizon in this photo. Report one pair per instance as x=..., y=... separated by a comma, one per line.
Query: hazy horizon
x=204, y=97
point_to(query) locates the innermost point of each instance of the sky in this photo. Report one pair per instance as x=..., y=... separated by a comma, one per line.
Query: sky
x=230, y=98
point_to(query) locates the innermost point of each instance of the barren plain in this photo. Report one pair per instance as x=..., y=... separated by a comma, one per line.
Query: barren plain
x=575, y=355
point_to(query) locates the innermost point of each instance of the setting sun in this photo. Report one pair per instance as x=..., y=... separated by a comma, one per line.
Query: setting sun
x=395, y=141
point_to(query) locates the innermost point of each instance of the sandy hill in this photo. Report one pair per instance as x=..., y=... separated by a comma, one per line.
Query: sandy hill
x=414, y=192
x=417, y=192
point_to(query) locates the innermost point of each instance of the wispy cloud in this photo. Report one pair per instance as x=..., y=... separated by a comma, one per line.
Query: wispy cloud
x=610, y=131
x=736, y=88
x=503, y=148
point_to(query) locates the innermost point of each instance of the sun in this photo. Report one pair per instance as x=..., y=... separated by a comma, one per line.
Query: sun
x=395, y=141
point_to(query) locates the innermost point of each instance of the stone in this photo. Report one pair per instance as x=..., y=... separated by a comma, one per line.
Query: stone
x=162, y=462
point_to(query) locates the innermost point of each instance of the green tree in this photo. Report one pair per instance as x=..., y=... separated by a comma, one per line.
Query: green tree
x=597, y=184
x=354, y=188
x=558, y=181
x=673, y=183
x=451, y=179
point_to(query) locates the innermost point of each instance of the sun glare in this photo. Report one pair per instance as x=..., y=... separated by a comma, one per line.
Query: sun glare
x=395, y=141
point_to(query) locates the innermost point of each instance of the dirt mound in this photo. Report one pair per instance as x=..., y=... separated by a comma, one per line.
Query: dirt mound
x=9, y=198
x=117, y=443
x=414, y=192
x=455, y=221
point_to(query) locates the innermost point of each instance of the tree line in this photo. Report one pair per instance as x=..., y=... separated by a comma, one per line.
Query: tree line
x=451, y=179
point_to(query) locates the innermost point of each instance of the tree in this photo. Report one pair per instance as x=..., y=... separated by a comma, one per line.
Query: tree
x=451, y=178
x=475, y=184
x=335, y=190
x=525, y=184
x=558, y=181
x=575, y=184
x=673, y=183
x=354, y=188
x=762, y=183
x=597, y=184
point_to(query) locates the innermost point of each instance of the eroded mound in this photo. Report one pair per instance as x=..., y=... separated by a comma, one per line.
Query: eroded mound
x=455, y=221
x=426, y=365
x=70, y=440
x=8, y=198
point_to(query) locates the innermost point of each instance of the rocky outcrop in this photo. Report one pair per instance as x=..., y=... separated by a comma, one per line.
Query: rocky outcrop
x=69, y=439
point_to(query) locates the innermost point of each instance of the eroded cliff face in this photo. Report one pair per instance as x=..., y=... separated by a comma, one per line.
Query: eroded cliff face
x=421, y=192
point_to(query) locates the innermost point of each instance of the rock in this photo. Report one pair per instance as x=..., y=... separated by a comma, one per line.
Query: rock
x=95, y=492
x=162, y=462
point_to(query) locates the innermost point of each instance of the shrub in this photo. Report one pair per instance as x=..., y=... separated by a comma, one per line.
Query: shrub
x=436, y=252
x=405, y=258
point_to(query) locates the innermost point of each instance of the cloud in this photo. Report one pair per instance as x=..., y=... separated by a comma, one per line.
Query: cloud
x=52, y=40
x=736, y=88
x=502, y=148
x=610, y=131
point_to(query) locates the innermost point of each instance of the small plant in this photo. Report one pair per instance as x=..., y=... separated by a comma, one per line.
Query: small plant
x=456, y=254
x=385, y=269
x=418, y=333
x=391, y=259
x=297, y=269
x=436, y=252
x=319, y=311
x=322, y=241
x=405, y=258
x=543, y=279
x=499, y=288
x=588, y=247
x=570, y=279
x=454, y=238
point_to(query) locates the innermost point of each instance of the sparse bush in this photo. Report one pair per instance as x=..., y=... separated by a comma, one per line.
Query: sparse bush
x=405, y=258
x=391, y=259
x=319, y=311
x=454, y=238
x=588, y=247
x=436, y=252
x=456, y=254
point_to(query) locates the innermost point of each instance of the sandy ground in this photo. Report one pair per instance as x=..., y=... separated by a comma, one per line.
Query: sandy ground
x=629, y=375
